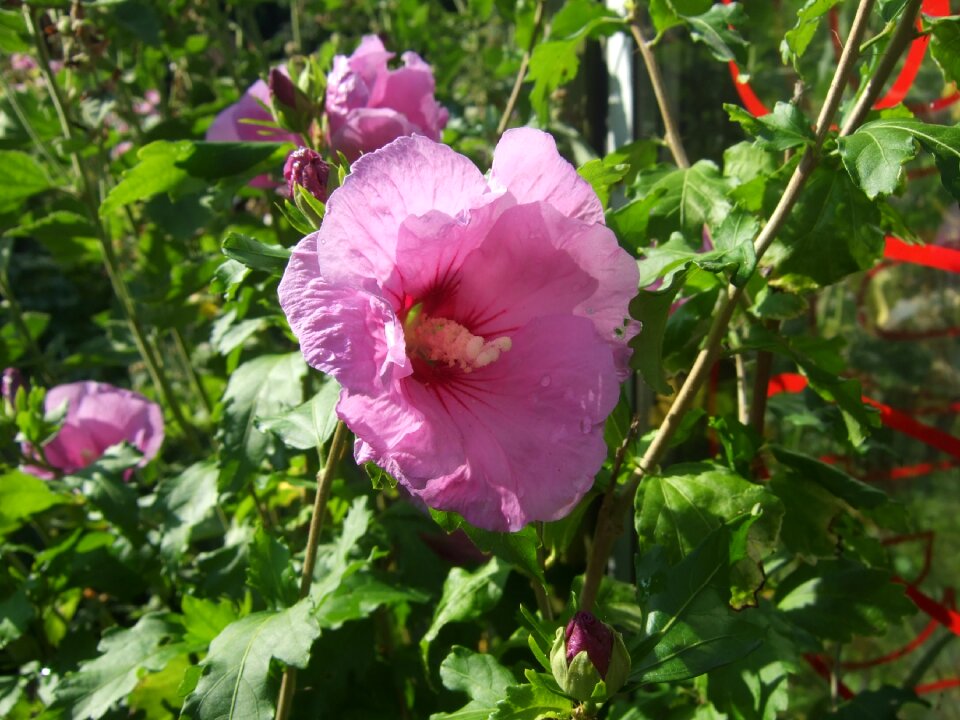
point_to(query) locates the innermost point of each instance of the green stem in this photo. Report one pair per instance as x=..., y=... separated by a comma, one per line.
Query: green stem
x=152, y=361
x=295, y=24
x=184, y=354
x=28, y=128
x=671, y=131
x=338, y=445
x=524, y=66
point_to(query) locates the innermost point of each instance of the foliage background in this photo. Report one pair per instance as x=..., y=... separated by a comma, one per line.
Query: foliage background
x=138, y=599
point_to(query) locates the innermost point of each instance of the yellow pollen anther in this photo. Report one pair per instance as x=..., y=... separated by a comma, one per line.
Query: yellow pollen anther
x=445, y=341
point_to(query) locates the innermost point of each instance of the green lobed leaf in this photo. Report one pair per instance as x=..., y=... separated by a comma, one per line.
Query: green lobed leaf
x=16, y=612
x=690, y=629
x=204, y=619
x=553, y=63
x=236, y=683
x=184, y=166
x=21, y=496
x=838, y=598
x=269, y=570
x=692, y=197
x=334, y=562
x=99, y=684
x=630, y=222
x=666, y=14
x=184, y=501
x=519, y=549
x=602, y=176
x=716, y=28
x=480, y=676
x=784, y=128
x=733, y=241
x=834, y=230
x=652, y=308
x=466, y=596
x=876, y=152
x=254, y=254
x=14, y=36
x=262, y=387
x=945, y=45
x=104, y=486
x=678, y=509
x=308, y=425
x=831, y=478
x=532, y=702
x=797, y=40
x=22, y=177
x=359, y=595
x=874, y=157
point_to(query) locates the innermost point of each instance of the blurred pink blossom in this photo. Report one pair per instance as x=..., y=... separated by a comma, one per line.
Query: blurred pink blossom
x=369, y=105
x=99, y=416
x=242, y=122
x=478, y=326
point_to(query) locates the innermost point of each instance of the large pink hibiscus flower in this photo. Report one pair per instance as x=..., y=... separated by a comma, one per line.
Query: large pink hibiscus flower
x=476, y=325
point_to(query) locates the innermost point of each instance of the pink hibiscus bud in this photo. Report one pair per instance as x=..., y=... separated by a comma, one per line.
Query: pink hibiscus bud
x=369, y=105
x=477, y=325
x=98, y=416
x=586, y=652
x=305, y=167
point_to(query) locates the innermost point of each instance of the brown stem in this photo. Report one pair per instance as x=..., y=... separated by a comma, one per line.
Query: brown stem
x=614, y=507
x=761, y=378
x=902, y=36
x=671, y=132
x=324, y=481
x=524, y=66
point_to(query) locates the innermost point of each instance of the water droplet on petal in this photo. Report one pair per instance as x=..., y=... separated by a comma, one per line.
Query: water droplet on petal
x=586, y=425
x=545, y=381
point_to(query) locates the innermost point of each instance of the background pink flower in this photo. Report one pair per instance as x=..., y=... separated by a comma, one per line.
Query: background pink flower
x=370, y=105
x=477, y=327
x=99, y=416
x=233, y=124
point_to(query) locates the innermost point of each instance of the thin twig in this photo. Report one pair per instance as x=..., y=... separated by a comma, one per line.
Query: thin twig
x=898, y=43
x=743, y=402
x=671, y=132
x=324, y=481
x=524, y=66
x=610, y=520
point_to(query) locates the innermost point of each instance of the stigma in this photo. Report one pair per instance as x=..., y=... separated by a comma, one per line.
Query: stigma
x=445, y=341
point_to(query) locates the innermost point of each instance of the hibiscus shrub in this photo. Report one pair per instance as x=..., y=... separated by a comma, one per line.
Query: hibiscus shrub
x=386, y=359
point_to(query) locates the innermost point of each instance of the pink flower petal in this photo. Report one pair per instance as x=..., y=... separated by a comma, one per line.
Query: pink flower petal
x=526, y=163
x=369, y=105
x=409, y=91
x=231, y=124
x=350, y=334
x=366, y=128
x=409, y=177
x=516, y=441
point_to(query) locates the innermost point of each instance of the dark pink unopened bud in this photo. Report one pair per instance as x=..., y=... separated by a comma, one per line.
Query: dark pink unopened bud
x=305, y=167
x=585, y=632
x=282, y=88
